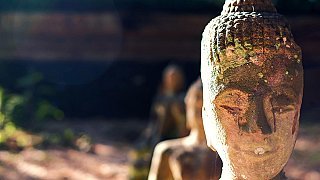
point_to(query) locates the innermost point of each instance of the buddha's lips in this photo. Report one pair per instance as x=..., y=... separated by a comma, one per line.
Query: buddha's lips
x=267, y=151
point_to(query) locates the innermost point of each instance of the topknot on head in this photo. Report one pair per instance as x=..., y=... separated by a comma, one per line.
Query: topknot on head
x=242, y=35
x=260, y=6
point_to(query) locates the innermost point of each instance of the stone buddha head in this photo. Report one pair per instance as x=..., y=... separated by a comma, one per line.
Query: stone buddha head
x=252, y=89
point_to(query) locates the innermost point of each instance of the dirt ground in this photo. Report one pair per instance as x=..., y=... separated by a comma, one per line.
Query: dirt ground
x=112, y=140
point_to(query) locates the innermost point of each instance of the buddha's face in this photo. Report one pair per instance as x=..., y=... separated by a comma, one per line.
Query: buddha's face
x=251, y=116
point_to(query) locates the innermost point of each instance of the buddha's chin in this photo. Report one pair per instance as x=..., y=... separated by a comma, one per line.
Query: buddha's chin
x=257, y=166
x=258, y=175
x=257, y=172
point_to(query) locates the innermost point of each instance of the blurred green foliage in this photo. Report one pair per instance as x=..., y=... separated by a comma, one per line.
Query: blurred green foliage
x=23, y=114
x=29, y=108
x=64, y=137
x=25, y=110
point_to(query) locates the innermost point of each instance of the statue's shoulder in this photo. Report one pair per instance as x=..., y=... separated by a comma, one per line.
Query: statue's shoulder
x=169, y=146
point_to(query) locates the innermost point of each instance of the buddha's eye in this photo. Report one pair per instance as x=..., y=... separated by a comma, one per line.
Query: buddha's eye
x=232, y=101
x=282, y=104
x=283, y=109
x=232, y=110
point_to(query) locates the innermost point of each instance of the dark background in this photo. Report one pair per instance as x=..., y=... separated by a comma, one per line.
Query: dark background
x=112, y=68
x=197, y=6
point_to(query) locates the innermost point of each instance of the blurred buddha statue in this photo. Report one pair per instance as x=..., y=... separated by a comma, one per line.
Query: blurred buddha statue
x=252, y=89
x=167, y=120
x=187, y=157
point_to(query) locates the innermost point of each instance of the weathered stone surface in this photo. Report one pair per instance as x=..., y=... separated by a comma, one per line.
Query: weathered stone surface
x=253, y=79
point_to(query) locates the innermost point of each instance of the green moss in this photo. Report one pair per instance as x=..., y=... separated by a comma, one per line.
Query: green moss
x=260, y=75
x=229, y=38
x=252, y=53
x=277, y=45
x=248, y=46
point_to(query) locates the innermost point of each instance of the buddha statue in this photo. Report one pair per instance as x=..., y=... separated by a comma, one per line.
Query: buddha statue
x=167, y=121
x=252, y=78
x=187, y=157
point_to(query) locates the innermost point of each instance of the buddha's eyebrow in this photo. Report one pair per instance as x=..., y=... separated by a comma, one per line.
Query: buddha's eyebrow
x=231, y=92
x=285, y=90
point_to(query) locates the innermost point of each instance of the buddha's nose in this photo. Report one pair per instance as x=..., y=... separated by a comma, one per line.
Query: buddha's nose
x=261, y=117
